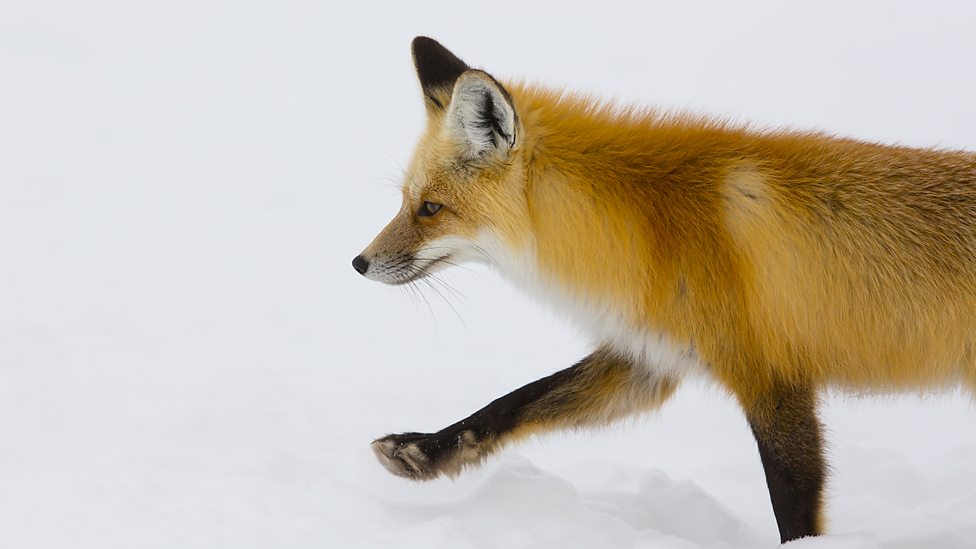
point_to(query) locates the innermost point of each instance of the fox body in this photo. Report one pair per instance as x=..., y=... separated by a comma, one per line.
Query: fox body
x=777, y=263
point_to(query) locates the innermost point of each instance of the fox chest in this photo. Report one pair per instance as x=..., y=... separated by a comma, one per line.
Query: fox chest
x=606, y=323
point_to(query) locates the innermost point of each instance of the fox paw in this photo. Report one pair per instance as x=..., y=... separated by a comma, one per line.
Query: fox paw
x=420, y=456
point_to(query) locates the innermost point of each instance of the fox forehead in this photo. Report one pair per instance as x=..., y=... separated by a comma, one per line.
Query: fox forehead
x=436, y=173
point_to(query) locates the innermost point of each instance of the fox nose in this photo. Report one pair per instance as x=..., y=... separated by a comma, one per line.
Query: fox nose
x=360, y=264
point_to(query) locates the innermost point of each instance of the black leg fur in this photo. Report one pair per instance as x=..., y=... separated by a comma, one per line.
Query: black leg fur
x=600, y=388
x=422, y=456
x=790, y=442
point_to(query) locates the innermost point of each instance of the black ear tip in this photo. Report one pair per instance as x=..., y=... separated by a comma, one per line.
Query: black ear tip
x=426, y=48
x=424, y=43
x=436, y=65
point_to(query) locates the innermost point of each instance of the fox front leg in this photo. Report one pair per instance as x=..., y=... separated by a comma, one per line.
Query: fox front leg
x=790, y=440
x=599, y=389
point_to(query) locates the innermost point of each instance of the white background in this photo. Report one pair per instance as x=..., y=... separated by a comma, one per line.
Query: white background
x=188, y=360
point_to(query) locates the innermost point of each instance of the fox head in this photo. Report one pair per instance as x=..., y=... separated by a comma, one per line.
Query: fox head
x=464, y=186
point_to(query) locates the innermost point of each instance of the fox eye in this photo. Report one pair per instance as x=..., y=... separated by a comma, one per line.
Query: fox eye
x=427, y=209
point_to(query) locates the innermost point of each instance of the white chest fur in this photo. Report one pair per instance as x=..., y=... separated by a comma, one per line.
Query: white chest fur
x=602, y=320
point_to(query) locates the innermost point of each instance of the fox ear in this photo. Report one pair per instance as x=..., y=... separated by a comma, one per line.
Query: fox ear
x=437, y=68
x=481, y=115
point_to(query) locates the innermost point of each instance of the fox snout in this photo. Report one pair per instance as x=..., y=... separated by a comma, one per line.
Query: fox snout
x=402, y=268
x=411, y=247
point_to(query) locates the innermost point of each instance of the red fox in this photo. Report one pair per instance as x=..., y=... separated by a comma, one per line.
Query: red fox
x=778, y=263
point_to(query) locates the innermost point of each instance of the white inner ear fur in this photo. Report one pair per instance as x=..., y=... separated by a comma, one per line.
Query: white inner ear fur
x=480, y=115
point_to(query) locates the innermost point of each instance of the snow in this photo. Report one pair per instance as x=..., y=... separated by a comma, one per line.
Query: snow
x=187, y=358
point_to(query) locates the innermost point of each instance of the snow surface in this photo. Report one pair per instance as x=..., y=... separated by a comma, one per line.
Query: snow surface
x=188, y=360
